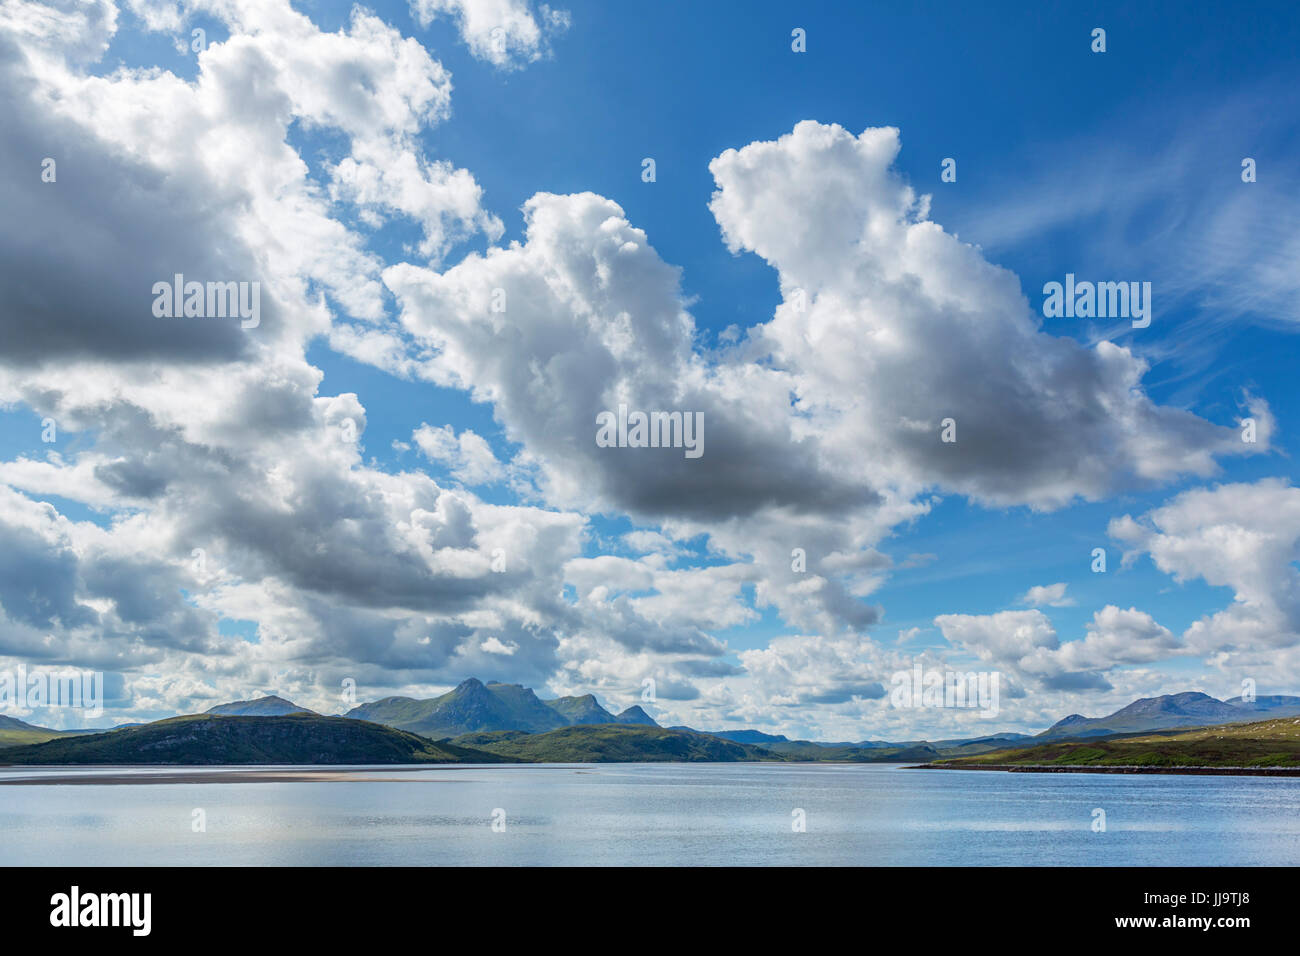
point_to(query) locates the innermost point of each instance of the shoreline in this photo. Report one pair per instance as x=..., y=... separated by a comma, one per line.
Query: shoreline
x=1191, y=771
x=128, y=774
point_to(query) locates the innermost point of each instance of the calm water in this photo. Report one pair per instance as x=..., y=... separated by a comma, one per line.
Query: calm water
x=660, y=814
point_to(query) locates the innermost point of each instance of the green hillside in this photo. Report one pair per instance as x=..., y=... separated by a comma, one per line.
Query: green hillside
x=612, y=743
x=805, y=750
x=15, y=733
x=1266, y=743
x=207, y=739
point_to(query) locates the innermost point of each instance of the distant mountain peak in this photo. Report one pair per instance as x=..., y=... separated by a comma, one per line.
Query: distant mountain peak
x=635, y=715
x=269, y=706
x=581, y=710
x=1067, y=721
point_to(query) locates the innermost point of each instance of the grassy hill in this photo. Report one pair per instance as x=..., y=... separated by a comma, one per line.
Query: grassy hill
x=745, y=736
x=15, y=733
x=612, y=743
x=807, y=750
x=207, y=739
x=1265, y=743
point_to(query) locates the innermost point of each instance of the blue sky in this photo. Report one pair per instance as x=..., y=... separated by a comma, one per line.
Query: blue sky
x=1122, y=165
x=1003, y=91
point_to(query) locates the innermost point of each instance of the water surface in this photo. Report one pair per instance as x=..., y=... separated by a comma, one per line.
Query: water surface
x=654, y=814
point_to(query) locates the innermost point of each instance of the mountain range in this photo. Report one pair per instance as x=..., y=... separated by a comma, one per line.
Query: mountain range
x=1191, y=709
x=478, y=722
x=474, y=707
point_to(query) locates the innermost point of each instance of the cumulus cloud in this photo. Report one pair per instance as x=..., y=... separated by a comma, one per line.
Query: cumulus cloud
x=1047, y=595
x=506, y=33
x=221, y=481
x=892, y=325
x=1027, y=645
x=1240, y=536
x=1114, y=637
x=590, y=317
x=1001, y=638
x=468, y=454
x=824, y=421
x=235, y=489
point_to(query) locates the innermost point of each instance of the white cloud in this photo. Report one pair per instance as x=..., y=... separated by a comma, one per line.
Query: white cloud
x=1115, y=637
x=1003, y=638
x=1047, y=595
x=890, y=325
x=231, y=487
x=506, y=33
x=468, y=454
x=821, y=423
x=1240, y=536
x=1027, y=645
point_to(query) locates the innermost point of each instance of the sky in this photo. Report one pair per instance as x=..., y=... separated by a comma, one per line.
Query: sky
x=823, y=230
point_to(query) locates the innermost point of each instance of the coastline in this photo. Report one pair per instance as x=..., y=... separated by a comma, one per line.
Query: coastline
x=182, y=774
x=1193, y=771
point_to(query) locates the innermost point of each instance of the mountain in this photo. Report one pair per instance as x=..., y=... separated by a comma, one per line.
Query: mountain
x=581, y=710
x=261, y=707
x=475, y=707
x=1190, y=709
x=1257, y=745
x=635, y=715
x=612, y=743
x=1273, y=705
x=472, y=706
x=298, y=738
x=509, y=719
x=15, y=732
